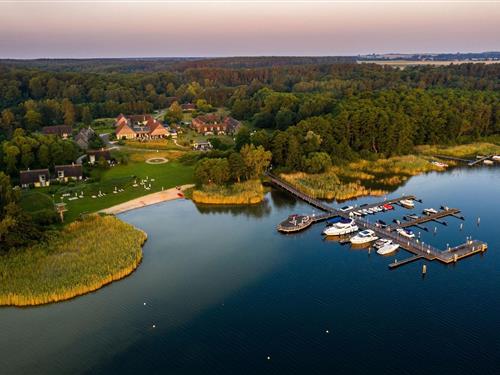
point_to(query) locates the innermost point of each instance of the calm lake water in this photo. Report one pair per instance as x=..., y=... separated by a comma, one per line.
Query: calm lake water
x=225, y=291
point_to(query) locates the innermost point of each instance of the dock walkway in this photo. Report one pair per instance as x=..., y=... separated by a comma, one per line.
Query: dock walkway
x=416, y=247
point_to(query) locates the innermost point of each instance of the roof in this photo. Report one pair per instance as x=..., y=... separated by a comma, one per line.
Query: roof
x=106, y=154
x=85, y=134
x=124, y=128
x=31, y=176
x=187, y=106
x=70, y=170
x=58, y=130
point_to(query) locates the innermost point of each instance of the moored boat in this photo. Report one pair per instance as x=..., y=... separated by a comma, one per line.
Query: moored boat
x=388, y=207
x=381, y=242
x=408, y=203
x=364, y=237
x=405, y=232
x=388, y=249
x=429, y=211
x=344, y=226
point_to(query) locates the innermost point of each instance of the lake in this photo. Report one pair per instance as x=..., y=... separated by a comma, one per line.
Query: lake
x=220, y=291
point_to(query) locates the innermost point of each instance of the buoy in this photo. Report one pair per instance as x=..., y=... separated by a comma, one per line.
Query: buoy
x=144, y=303
x=435, y=229
x=478, y=220
x=154, y=325
x=327, y=331
x=424, y=269
x=461, y=226
x=268, y=358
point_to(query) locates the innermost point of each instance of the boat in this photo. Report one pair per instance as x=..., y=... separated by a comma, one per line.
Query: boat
x=357, y=213
x=334, y=220
x=364, y=237
x=388, y=207
x=344, y=226
x=488, y=162
x=429, y=211
x=405, y=232
x=412, y=216
x=408, y=203
x=381, y=223
x=496, y=157
x=439, y=164
x=381, y=243
x=346, y=208
x=388, y=249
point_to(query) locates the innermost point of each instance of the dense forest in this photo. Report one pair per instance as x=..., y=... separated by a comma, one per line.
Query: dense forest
x=310, y=104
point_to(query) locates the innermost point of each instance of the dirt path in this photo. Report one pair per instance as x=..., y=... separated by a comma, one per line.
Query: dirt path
x=146, y=200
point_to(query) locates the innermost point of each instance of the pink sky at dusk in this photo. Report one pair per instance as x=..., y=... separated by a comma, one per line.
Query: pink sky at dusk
x=134, y=29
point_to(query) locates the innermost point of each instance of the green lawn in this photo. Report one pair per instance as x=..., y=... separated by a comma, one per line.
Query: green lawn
x=122, y=176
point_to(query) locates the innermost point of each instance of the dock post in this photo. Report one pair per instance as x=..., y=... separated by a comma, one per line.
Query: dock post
x=424, y=269
x=455, y=257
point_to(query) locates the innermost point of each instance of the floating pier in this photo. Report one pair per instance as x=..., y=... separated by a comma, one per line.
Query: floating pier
x=419, y=250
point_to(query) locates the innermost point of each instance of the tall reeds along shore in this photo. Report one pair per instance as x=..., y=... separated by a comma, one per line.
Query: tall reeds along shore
x=248, y=192
x=82, y=258
x=360, y=178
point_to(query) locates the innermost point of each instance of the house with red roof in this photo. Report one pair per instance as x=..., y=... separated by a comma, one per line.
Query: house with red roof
x=139, y=127
x=213, y=123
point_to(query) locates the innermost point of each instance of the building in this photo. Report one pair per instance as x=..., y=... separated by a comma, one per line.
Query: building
x=83, y=137
x=35, y=177
x=188, y=107
x=202, y=146
x=215, y=124
x=62, y=131
x=65, y=173
x=139, y=127
x=94, y=156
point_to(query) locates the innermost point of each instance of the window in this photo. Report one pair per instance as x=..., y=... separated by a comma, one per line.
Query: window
x=60, y=174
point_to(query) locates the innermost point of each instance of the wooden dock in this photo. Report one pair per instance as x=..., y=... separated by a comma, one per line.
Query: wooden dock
x=480, y=160
x=426, y=218
x=418, y=249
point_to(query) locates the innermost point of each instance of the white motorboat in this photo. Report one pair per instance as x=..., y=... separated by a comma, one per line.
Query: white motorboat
x=405, y=232
x=408, y=203
x=496, y=157
x=344, y=226
x=346, y=208
x=439, y=164
x=488, y=162
x=381, y=243
x=429, y=211
x=387, y=249
x=364, y=237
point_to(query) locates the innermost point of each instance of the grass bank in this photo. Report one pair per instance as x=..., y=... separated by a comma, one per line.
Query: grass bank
x=248, y=192
x=83, y=257
x=467, y=151
x=360, y=178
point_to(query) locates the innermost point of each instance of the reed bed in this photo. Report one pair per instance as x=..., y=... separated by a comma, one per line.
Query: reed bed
x=248, y=192
x=361, y=178
x=85, y=256
x=462, y=151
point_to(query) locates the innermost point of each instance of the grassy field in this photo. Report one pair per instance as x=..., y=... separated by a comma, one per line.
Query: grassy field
x=83, y=257
x=158, y=144
x=248, y=192
x=361, y=178
x=122, y=177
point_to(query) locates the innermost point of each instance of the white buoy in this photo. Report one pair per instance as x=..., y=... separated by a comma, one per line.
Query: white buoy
x=268, y=358
x=154, y=325
x=461, y=226
x=144, y=303
x=478, y=220
x=327, y=331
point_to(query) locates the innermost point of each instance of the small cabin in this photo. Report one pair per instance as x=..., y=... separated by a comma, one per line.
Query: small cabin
x=35, y=177
x=65, y=173
x=93, y=156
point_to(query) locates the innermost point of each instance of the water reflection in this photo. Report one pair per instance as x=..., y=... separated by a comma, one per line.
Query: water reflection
x=257, y=210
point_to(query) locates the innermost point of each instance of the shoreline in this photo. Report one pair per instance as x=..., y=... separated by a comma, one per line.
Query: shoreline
x=146, y=200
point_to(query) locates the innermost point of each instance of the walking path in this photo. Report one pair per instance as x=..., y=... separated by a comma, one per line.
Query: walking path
x=146, y=200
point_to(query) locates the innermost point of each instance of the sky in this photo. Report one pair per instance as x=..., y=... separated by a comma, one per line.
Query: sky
x=166, y=28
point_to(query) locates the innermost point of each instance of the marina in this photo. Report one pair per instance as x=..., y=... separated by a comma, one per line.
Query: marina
x=396, y=233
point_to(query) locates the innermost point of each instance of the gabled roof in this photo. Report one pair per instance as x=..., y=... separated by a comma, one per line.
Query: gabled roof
x=106, y=154
x=124, y=129
x=70, y=170
x=32, y=176
x=58, y=130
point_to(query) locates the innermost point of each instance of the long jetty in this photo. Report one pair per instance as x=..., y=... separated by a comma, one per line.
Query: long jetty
x=418, y=249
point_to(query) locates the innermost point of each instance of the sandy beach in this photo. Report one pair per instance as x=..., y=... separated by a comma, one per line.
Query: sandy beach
x=147, y=200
